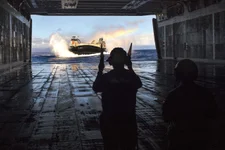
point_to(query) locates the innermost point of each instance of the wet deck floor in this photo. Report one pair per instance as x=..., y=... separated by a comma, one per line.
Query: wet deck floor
x=53, y=107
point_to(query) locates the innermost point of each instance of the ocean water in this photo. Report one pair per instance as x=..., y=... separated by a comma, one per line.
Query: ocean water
x=137, y=55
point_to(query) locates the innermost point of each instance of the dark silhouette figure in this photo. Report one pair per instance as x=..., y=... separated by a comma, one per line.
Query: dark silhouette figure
x=189, y=109
x=119, y=87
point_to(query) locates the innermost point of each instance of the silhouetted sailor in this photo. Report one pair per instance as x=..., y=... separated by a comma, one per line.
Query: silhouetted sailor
x=119, y=87
x=189, y=109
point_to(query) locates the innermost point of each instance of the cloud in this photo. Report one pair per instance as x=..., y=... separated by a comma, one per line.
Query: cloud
x=135, y=23
x=39, y=42
x=58, y=30
x=122, y=35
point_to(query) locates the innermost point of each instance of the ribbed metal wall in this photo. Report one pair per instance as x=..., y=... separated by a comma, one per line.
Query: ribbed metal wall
x=198, y=34
x=14, y=38
x=4, y=38
x=220, y=35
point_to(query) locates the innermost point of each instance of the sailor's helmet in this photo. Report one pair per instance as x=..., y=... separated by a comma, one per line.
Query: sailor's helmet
x=117, y=56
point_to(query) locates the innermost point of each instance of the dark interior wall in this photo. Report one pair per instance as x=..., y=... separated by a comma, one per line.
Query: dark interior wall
x=179, y=39
x=4, y=38
x=198, y=35
x=169, y=41
x=194, y=39
x=161, y=41
x=207, y=23
x=220, y=35
x=14, y=38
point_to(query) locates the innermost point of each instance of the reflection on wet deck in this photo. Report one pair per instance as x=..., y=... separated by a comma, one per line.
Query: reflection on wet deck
x=52, y=106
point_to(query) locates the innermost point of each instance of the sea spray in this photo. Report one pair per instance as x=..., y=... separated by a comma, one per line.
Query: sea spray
x=59, y=46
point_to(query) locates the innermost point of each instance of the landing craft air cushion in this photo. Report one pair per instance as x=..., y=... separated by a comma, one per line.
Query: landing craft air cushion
x=77, y=47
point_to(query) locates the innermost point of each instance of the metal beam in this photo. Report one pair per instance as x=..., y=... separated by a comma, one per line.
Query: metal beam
x=97, y=7
x=92, y=12
x=134, y=4
x=103, y=10
x=96, y=14
x=156, y=36
x=34, y=4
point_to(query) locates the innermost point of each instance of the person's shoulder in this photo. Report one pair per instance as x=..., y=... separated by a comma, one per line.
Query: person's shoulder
x=172, y=92
x=108, y=74
x=175, y=90
x=129, y=72
x=200, y=88
x=203, y=90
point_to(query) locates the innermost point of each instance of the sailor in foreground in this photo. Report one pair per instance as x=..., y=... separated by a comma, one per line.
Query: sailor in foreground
x=188, y=109
x=119, y=87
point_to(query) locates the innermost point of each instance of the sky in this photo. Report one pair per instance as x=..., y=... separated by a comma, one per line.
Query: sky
x=117, y=31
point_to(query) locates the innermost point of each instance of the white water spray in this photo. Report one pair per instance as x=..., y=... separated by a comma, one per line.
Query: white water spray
x=60, y=46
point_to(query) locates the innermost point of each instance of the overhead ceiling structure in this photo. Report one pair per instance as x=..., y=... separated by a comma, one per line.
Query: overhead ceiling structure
x=98, y=7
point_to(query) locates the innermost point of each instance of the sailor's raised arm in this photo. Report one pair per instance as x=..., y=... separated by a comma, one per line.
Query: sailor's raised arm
x=99, y=81
x=137, y=81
